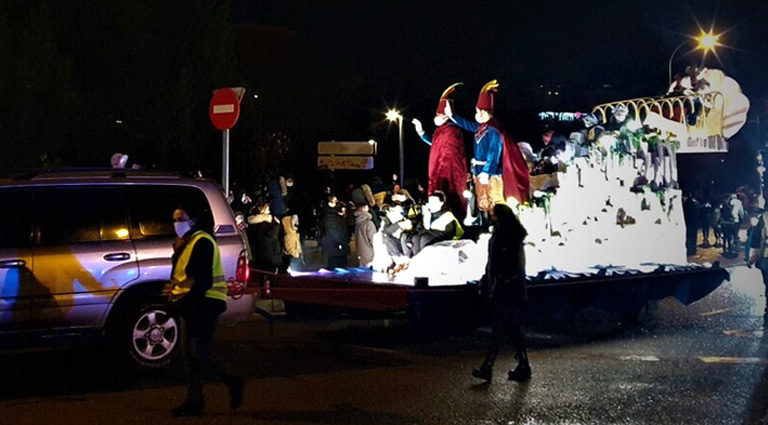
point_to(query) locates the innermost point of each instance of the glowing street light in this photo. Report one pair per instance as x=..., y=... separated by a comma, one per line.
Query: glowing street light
x=706, y=41
x=394, y=115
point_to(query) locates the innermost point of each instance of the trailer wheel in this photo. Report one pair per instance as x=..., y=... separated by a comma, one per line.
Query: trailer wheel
x=423, y=323
x=592, y=321
x=294, y=310
x=646, y=316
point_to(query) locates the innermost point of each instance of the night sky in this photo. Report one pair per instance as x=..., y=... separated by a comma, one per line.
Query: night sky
x=380, y=54
x=83, y=79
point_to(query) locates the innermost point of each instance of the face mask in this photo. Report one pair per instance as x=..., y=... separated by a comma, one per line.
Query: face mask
x=182, y=227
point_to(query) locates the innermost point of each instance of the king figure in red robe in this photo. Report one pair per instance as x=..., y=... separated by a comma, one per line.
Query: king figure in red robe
x=447, y=161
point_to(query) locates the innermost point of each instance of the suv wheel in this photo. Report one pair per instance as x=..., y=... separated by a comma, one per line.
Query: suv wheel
x=152, y=335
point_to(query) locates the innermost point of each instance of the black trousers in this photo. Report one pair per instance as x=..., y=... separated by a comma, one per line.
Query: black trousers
x=198, y=323
x=729, y=236
x=508, y=307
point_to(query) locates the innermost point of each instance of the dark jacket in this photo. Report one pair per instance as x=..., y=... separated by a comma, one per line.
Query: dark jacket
x=389, y=229
x=364, y=231
x=504, y=277
x=264, y=237
x=757, y=241
x=376, y=217
x=334, y=236
x=276, y=202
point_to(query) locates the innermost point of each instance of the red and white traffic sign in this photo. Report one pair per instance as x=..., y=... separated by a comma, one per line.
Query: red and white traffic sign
x=224, y=109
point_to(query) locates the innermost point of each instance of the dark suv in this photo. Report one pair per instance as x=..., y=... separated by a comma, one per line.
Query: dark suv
x=87, y=253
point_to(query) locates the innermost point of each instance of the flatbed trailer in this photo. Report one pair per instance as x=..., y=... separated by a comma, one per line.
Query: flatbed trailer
x=552, y=296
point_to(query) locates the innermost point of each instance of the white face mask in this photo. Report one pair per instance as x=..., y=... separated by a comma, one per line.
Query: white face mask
x=182, y=227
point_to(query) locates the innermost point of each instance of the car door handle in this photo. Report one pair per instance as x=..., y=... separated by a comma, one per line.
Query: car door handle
x=13, y=264
x=117, y=256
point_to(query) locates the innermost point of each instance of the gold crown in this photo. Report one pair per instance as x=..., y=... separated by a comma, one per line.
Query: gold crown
x=450, y=90
x=490, y=86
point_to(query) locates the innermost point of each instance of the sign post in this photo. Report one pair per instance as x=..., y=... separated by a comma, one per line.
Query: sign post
x=225, y=161
x=224, y=110
x=346, y=155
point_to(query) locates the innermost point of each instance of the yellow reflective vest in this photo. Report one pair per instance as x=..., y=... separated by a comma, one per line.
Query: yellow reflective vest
x=182, y=284
x=442, y=222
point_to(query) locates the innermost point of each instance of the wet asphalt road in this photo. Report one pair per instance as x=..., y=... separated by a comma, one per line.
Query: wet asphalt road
x=702, y=364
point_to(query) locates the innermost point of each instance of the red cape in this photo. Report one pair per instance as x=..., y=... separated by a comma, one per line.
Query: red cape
x=515, y=174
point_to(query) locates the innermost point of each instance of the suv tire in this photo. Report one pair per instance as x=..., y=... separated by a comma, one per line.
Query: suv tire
x=150, y=335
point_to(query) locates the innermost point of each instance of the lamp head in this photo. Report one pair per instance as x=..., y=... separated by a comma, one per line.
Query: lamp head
x=393, y=115
x=708, y=41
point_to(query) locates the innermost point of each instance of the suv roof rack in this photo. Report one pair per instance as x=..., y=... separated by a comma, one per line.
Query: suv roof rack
x=44, y=173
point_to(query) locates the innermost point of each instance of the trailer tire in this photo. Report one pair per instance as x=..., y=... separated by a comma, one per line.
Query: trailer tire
x=592, y=321
x=423, y=323
x=293, y=310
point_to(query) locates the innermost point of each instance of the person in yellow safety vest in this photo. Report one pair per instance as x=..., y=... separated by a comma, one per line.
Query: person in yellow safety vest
x=439, y=225
x=198, y=290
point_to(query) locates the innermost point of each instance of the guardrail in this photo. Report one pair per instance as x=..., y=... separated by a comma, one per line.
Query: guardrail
x=696, y=120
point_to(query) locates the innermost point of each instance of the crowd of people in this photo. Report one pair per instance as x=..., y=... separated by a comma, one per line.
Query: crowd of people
x=388, y=222
x=718, y=220
x=391, y=223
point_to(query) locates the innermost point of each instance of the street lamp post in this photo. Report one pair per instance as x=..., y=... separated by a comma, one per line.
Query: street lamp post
x=672, y=56
x=705, y=41
x=394, y=115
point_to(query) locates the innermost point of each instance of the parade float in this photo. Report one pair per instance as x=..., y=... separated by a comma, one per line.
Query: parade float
x=604, y=219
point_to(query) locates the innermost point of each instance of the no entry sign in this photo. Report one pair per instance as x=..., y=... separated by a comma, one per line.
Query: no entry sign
x=224, y=109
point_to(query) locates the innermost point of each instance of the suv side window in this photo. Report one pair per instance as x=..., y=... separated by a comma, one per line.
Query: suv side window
x=82, y=214
x=16, y=218
x=151, y=208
